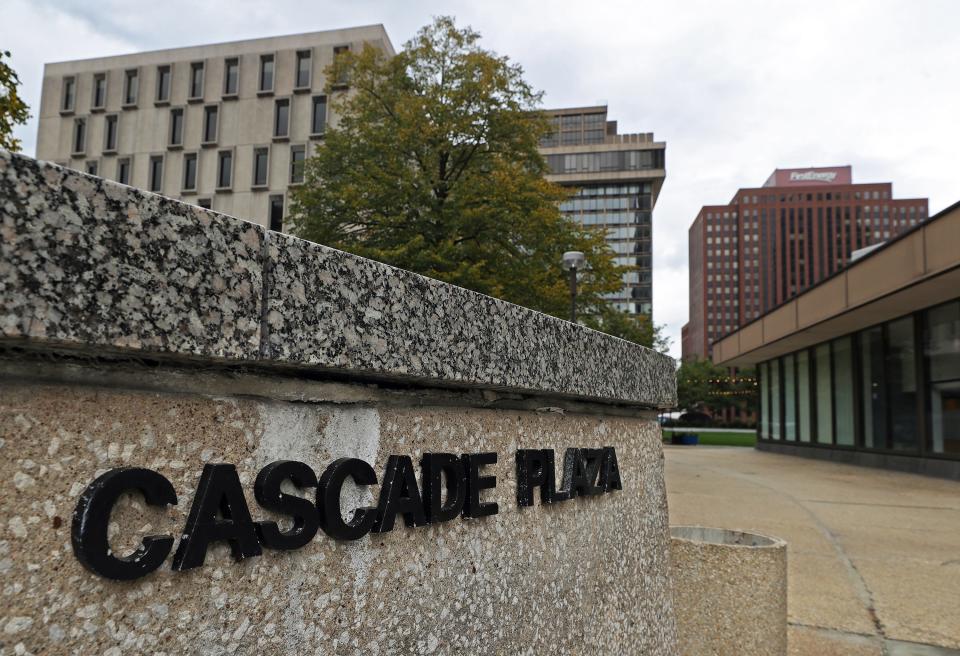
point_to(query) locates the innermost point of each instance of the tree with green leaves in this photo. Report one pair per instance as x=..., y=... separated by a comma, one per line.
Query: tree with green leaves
x=433, y=166
x=637, y=328
x=13, y=111
x=705, y=387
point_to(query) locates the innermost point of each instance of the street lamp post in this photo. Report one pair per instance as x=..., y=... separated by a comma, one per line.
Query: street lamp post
x=573, y=260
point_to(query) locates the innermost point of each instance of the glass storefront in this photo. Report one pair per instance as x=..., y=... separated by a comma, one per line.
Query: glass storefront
x=894, y=388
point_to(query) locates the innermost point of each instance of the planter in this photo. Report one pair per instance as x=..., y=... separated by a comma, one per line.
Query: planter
x=729, y=591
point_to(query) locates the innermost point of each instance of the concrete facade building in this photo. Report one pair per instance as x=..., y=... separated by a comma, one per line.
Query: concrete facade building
x=774, y=241
x=865, y=366
x=618, y=178
x=225, y=126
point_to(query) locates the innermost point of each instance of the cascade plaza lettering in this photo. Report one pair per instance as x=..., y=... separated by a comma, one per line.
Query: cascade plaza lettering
x=452, y=487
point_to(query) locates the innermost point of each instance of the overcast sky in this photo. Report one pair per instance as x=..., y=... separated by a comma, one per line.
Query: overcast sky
x=735, y=88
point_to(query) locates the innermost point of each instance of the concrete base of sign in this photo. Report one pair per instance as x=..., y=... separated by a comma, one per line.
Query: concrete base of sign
x=139, y=332
x=729, y=591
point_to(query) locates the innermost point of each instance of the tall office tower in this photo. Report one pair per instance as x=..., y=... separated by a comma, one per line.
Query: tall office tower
x=774, y=241
x=225, y=126
x=617, y=179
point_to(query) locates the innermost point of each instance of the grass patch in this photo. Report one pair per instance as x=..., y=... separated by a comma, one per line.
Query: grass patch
x=718, y=439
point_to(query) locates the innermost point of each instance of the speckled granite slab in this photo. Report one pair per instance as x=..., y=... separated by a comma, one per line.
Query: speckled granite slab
x=94, y=264
x=87, y=262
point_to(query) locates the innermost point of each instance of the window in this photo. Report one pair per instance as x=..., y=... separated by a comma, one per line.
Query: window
x=99, y=100
x=901, y=374
x=196, y=81
x=281, y=119
x=224, y=169
x=941, y=346
x=131, y=86
x=775, y=400
x=92, y=167
x=110, y=133
x=789, y=399
x=824, y=394
x=205, y=203
x=261, y=161
x=123, y=170
x=298, y=157
x=231, y=76
x=843, y=390
x=176, y=127
x=69, y=94
x=79, y=136
x=276, y=213
x=804, y=414
x=318, y=119
x=304, y=62
x=163, y=84
x=156, y=173
x=343, y=76
x=266, y=74
x=765, y=400
x=210, y=116
x=190, y=172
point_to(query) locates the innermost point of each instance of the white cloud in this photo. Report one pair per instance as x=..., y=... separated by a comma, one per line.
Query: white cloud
x=736, y=88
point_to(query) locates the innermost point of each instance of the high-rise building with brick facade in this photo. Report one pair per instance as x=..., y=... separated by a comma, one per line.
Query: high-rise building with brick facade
x=774, y=241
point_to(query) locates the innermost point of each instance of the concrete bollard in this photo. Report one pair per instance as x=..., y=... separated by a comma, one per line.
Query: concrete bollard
x=729, y=591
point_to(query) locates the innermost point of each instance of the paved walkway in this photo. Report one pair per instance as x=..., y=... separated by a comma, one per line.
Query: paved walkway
x=873, y=556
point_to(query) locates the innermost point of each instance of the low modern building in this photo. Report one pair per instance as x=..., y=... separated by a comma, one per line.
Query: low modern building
x=618, y=178
x=770, y=243
x=864, y=367
x=225, y=126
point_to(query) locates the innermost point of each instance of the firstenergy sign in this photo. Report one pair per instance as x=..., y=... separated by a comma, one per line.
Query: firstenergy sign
x=813, y=176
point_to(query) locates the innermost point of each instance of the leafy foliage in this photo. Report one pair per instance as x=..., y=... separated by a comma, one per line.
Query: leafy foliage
x=433, y=166
x=705, y=387
x=637, y=328
x=13, y=111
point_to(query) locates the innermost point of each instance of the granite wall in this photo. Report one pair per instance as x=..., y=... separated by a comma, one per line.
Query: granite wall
x=139, y=332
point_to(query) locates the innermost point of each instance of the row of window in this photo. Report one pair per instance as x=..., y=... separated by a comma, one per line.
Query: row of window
x=210, y=128
x=303, y=73
x=891, y=387
x=618, y=160
x=224, y=171
x=810, y=197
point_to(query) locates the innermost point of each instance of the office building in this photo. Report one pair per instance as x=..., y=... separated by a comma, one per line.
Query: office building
x=225, y=126
x=772, y=242
x=617, y=178
x=864, y=367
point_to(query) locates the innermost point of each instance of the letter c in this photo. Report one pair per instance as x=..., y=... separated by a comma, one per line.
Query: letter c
x=92, y=515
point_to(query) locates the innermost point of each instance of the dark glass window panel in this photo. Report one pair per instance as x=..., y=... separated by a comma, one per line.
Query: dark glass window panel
x=69, y=93
x=123, y=171
x=156, y=174
x=303, y=68
x=163, y=83
x=99, y=90
x=319, y=118
x=298, y=155
x=131, y=87
x=281, y=119
x=210, y=115
x=260, y=161
x=176, y=127
x=900, y=369
x=266, y=73
x=873, y=389
x=276, y=213
x=190, y=172
x=110, y=136
x=224, y=169
x=79, y=135
x=196, y=80
x=231, y=76
x=942, y=350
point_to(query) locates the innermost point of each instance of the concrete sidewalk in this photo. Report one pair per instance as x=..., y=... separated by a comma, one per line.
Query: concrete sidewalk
x=873, y=555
